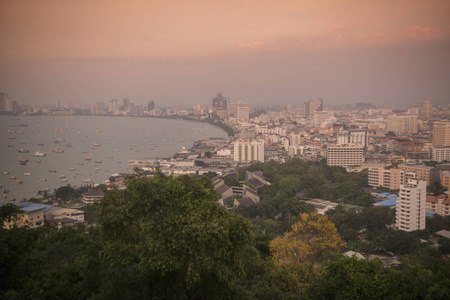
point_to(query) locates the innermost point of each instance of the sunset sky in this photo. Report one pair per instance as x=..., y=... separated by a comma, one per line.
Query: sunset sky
x=261, y=51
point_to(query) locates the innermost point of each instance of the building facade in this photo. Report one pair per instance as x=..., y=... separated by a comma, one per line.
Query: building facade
x=411, y=206
x=246, y=151
x=441, y=133
x=345, y=155
x=426, y=173
x=440, y=153
x=358, y=136
x=388, y=178
x=402, y=124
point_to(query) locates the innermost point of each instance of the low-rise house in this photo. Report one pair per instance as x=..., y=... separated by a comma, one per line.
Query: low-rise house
x=90, y=197
x=32, y=216
x=322, y=206
x=68, y=213
x=440, y=204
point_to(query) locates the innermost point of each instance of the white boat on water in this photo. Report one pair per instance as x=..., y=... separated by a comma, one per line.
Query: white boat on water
x=27, y=174
x=87, y=180
x=40, y=154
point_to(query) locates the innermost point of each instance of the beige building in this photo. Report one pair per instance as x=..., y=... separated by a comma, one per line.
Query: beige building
x=345, y=155
x=388, y=178
x=441, y=133
x=31, y=217
x=445, y=180
x=429, y=174
x=425, y=110
x=402, y=124
x=411, y=206
x=440, y=205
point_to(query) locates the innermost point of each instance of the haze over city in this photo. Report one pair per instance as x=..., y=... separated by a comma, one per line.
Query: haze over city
x=264, y=52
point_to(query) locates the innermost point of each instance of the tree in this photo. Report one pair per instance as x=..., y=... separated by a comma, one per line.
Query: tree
x=350, y=278
x=171, y=236
x=312, y=240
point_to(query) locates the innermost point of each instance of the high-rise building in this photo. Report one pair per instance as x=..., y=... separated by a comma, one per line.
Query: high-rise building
x=441, y=133
x=425, y=109
x=220, y=106
x=356, y=136
x=411, y=206
x=6, y=103
x=402, y=124
x=126, y=103
x=233, y=108
x=313, y=105
x=246, y=151
x=113, y=105
x=220, y=102
x=243, y=113
x=100, y=107
x=345, y=155
x=150, y=105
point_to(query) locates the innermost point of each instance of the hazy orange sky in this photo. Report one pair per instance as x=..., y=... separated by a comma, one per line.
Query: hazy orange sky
x=261, y=51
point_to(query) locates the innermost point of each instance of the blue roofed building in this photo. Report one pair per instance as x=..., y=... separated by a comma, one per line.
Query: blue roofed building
x=392, y=202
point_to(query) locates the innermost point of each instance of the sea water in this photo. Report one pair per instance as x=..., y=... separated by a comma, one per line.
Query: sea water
x=94, y=147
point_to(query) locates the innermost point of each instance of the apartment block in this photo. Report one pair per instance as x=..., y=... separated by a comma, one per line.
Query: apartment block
x=445, y=179
x=440, y=205
x=388, y=178
x=441, y=133
x=402, y=124
x=246, y=151
x=411, y=205
x=358, y=136
x=345, y=155
x=440, y=153
x=426, y=173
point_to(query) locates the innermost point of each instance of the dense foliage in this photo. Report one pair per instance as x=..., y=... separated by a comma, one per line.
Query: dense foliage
x=168, y=238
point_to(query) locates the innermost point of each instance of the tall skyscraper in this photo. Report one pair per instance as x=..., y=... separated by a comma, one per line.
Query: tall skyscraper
x=411, y=205
x=220, y=106
x=313, y=105
x=150, y=105
x=220, y=102
x=126, y=103
x=425, y=110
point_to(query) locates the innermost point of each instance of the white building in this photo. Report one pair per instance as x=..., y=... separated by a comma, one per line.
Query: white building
x=440, y=153
x=246, y=151
x=358, y=136
x=345, y=155
x=411, y=205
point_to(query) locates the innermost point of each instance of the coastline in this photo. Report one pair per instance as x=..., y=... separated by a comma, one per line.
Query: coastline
x=175, y=142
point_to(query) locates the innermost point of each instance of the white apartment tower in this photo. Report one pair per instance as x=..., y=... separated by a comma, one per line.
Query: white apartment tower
x=358, y=136
x=411, y=205
x=246, y=151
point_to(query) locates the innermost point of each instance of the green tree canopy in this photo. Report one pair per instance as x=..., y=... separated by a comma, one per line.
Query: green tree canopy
x=175, y=235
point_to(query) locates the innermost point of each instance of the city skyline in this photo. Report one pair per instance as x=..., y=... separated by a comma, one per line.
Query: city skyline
x=262, y=52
